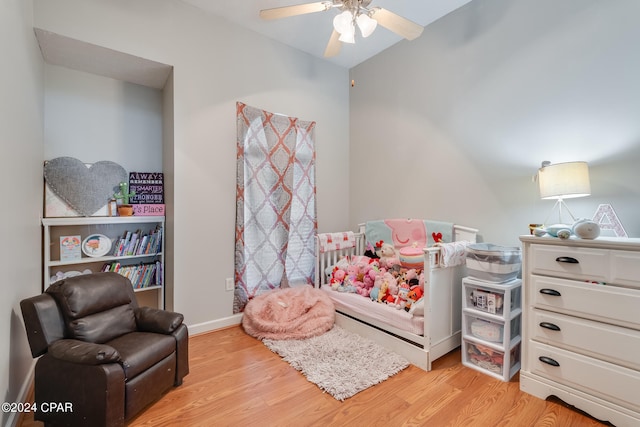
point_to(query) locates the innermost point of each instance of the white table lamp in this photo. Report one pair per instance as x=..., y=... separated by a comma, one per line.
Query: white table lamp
x=563, y=181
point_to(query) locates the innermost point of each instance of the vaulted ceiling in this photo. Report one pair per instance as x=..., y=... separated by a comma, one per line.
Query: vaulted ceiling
x=310, y=33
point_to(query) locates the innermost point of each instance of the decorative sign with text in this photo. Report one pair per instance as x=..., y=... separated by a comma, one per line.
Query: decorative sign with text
x=148, y=210
x=148, y=186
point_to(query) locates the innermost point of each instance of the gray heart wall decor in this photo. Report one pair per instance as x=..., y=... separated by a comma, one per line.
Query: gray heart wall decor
x=85, y=189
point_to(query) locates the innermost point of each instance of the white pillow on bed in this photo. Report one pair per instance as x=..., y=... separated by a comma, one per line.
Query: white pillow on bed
x=417, y=308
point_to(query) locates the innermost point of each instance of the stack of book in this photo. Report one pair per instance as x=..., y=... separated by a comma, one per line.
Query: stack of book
x=140, y=275
x=138, y=243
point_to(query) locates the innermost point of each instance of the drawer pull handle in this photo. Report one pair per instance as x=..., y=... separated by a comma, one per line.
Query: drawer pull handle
x=551, y=292
x=548, y=325
x=567, y=259
x=548, y=361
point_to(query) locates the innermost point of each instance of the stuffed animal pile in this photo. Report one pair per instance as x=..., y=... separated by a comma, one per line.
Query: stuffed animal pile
x=380, y=277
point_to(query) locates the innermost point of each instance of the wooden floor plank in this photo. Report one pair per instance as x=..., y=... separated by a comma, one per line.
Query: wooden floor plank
x=235, y=380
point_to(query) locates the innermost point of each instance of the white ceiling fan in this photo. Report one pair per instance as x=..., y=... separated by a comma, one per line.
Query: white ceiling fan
x=353, y=13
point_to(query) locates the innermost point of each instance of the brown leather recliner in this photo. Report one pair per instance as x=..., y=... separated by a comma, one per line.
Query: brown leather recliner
x=102, y=358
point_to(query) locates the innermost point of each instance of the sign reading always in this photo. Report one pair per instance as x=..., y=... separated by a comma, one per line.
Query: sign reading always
x=148, y=186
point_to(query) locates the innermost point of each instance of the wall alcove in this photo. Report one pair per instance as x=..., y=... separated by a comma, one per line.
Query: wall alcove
x=120, y=78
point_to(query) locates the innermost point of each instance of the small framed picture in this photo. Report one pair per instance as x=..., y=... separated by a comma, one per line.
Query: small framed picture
x=70, y=248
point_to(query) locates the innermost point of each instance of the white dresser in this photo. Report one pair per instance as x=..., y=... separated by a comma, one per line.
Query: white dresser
x=581, y=324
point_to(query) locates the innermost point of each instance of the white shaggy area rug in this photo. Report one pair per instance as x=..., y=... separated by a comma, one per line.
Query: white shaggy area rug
x=339, y=362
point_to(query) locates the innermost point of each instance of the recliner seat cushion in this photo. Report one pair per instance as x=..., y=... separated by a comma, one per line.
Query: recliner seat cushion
x=102, y=327
x=141, y=350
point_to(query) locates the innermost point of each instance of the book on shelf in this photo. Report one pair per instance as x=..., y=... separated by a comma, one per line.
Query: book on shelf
x=148, y=188
x=133, y=242
x=140, y=275
x=134, y=277
x=143, y=245
x=121, y=245
x=138, y=243
x=154, y=244
x=159, y=274
x=147, y=274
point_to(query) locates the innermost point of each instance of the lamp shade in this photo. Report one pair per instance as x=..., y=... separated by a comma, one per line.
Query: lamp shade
x=343, y=22
x=348, y=36
x=564, y=180
x=366, y=24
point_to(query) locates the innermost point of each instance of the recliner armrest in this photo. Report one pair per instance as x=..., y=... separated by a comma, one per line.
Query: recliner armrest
x=85, y=353
x=159, y=321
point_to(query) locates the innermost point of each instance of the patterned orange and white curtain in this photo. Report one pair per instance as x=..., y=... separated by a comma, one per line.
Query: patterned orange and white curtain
x=275, y=203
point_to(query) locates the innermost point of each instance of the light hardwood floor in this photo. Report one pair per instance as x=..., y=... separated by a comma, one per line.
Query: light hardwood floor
x=237, y=381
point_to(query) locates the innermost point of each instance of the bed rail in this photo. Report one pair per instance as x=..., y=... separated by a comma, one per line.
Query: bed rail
x=330, y=258
x=327, y=259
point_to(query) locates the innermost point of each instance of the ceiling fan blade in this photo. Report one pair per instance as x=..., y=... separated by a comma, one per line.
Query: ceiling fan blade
x=396, y=23
x=300, y=9
x=334, y=45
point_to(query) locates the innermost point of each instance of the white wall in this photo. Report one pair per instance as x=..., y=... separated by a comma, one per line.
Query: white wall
x=216, y=64
x=21, y=121
x=94, y=118
x=466, y=113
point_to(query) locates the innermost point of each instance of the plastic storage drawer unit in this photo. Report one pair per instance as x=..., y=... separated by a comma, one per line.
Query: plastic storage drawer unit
x=491, y=321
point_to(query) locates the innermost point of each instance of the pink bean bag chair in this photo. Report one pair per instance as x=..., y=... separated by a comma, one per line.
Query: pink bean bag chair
x=289, y=313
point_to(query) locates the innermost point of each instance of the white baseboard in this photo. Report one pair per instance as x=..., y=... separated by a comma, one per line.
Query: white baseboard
x=225, y=322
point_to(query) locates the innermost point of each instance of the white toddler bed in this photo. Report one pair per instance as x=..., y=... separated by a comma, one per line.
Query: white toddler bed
x=420, y=339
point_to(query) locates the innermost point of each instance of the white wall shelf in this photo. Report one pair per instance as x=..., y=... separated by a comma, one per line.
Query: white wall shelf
x=113, y=228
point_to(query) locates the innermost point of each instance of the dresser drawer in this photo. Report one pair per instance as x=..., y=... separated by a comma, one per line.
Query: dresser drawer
x=570, y=262
x=625, y=268
x=607, y=342
x=610, y=304
x=614, y=383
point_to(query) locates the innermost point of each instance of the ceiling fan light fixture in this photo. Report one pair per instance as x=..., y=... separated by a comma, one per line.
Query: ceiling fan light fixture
x=366, y=24
x=352, y=13
x=343, y=22
x=348, y=36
